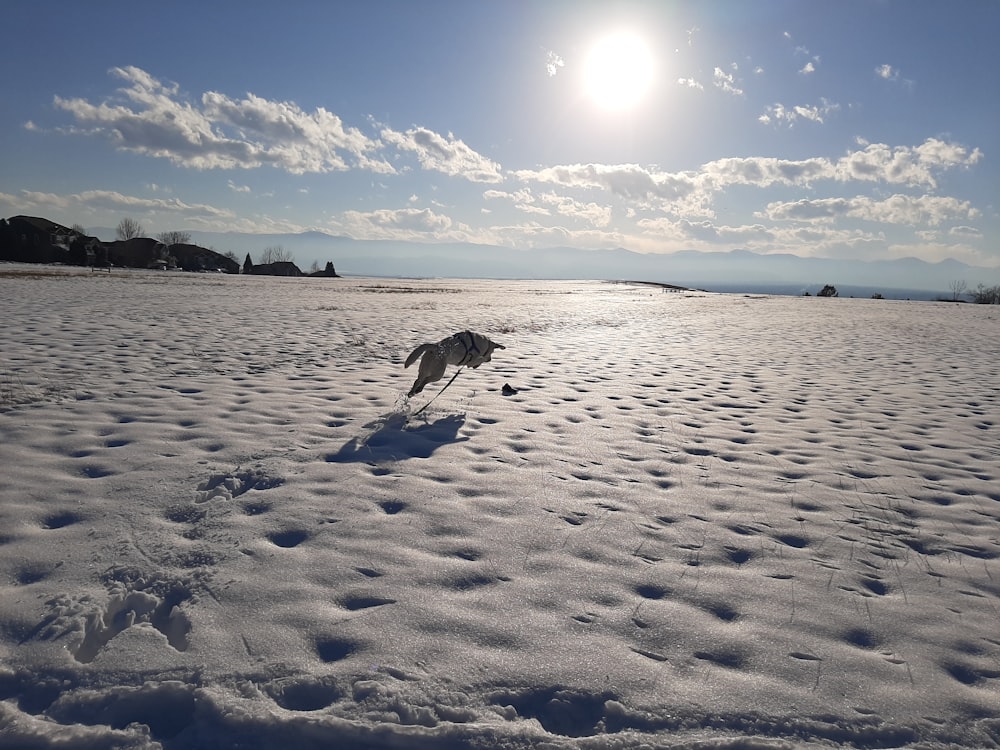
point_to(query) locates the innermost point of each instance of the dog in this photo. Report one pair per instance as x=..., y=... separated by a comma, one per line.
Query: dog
x=465, y=349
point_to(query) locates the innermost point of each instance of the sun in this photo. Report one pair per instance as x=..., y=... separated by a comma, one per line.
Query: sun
x=618, y=71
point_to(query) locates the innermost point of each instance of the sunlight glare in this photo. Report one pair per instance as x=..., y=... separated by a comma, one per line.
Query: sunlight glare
x=618, y=71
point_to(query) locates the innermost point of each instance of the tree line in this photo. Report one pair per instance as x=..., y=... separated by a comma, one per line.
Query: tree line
x=129, y=228
x=981, y=295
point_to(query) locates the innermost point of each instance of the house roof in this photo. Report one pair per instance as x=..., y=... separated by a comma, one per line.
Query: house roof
x=43, y=225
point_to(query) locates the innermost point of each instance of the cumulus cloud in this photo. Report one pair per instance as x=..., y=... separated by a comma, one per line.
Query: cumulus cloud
x=899, y=209
x=965, y=232
x=692, y=192
x=151, y=117
x=445, y=154
x=523, y=200
x=915, y=166
x=764, y=171
x=712, y=233
x=807, y=68
x=779, y=114
x=419, y=224
x=726, y=82
x=691, y=83
x=887, y=72
x=553, y=63
x=108, y=200
x=629, y=181
x=590, y=213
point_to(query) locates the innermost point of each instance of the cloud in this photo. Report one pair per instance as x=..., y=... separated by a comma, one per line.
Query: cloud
x=709, y=232
x=808, y=68
x=893, y=74
x=412, y=224
x=692, y=192
x=553, y=63
x=151, y=117
x=878, y=162
x=965, y=232
x=238, y=188
x=764, y=172
x=629, y=181
x=779, y=114
x=726, y=82
x=690, y=83
x=523, y=200
x=448, y=155
x=590, y=213
x=108, y=200
x=897, y=209
x=887, y=72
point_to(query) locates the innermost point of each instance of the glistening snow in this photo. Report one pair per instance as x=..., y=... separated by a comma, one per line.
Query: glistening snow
x=702, y=520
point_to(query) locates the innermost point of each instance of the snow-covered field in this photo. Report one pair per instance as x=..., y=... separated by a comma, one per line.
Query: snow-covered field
x=709, y=521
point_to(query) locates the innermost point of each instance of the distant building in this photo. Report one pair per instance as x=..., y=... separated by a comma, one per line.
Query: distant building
x=329, y=271
x=30, y=239
x=279, y=268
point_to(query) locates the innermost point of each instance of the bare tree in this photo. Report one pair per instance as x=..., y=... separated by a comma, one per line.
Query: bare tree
x=276, y=254
x=129, y=228
x=958, y=288
x=986, y=295
x=174, y=238
x=78, y=228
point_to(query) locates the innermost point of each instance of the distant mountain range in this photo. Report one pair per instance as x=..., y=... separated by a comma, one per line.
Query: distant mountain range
x=734, y=271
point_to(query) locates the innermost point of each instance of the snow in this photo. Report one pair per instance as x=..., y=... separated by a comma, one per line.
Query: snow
x=711, y=521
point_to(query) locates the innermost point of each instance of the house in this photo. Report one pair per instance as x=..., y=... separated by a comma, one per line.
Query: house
x=279, y=268
x=30, y=239
x=329, y=271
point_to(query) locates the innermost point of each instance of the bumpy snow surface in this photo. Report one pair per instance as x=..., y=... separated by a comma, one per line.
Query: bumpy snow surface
x=692, y=520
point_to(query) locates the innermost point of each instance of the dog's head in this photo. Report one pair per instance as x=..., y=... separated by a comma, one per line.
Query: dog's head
x=490, y=346
x=486, y=348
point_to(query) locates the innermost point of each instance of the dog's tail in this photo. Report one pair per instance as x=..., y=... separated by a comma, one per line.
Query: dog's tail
x=418, y=353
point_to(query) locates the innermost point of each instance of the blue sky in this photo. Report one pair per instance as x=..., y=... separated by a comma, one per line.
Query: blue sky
x=865, y=129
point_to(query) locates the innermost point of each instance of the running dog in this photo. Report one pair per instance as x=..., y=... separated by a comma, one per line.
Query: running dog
x=465, y=349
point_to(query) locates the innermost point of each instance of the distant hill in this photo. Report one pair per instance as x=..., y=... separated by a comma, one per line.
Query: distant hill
x=734, y=271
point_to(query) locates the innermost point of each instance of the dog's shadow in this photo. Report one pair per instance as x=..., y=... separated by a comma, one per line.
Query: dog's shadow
x=392, y=439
